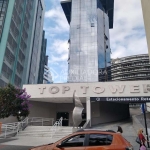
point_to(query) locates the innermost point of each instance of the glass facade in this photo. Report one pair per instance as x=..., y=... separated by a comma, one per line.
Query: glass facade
x=42, y=59
x=3, y=10
x=89, y=48
x=17, y=41
x=20, y=35
x=36, y=42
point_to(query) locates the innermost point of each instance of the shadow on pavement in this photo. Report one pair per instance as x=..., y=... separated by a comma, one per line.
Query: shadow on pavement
x=7, y=140
x=10, y=147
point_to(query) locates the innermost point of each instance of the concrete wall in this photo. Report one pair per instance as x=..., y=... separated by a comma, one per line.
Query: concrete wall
x=146, y=16
x=101, y=112
x=49, y=110
x=9, y=120
x=104, y=112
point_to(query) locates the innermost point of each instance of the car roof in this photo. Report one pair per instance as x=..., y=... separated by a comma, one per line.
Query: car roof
x=95, y=130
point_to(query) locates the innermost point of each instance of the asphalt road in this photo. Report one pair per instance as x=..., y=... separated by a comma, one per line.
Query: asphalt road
x=10, y=147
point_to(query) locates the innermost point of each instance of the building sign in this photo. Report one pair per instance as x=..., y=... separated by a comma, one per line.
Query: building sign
x=122, y=99
x=97, y=89
x=130, y=91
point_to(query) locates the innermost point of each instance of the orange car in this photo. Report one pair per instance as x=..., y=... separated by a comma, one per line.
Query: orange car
x=89, y=140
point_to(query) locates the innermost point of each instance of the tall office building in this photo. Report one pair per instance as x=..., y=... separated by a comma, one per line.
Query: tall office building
x=89, y=49
x=146, y=16
x=47, y=77
x=21, y=26
x=37, y=42
x=42, y=59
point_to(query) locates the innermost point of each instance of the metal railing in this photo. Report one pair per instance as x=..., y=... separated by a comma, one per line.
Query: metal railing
x=12, y=129
x=87, y=124
x=56, y=126
x=38, y=121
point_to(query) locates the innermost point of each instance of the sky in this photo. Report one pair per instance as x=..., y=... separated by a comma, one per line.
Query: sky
x=126, y=38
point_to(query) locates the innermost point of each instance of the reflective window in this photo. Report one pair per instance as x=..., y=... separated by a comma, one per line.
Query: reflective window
x=3, y=10
x=74, y=141
x=100, y=139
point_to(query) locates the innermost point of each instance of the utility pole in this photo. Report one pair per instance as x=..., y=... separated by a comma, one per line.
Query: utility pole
x=143, y=110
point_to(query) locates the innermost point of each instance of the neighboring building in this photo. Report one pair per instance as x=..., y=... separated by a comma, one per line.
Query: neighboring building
x=136, y=67
x=89, y=49
x=42, y=59
x=47, y=78
x=146, y=16
x=37, y=42
x=21, y=28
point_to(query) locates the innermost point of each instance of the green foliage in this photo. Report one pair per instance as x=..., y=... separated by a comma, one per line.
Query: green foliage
x=13, y=101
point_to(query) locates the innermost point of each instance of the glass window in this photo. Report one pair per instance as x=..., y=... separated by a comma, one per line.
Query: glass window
x=100, y=139
x=74, y=141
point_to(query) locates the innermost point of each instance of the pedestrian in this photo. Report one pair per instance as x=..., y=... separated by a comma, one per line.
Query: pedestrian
x=142, y=147
x=119, y=130
x=141, y=138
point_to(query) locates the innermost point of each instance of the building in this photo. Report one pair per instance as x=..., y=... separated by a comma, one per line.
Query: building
x=37, y=43
x=89, y=49
x=42, y=59
x=103, y=102
x=146, y=16
x=21, y=29
x=136, y=67
x=47, y=77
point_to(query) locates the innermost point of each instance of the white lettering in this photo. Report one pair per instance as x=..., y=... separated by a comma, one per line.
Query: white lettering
x=84, y=89
x=134, y=89
x=98, y=90
x=146, y=88
x=117, y=87
x=54, y=89
x=65, y=88
x=42, y=90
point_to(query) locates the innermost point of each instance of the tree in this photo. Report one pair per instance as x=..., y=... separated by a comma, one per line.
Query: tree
x=14, y=101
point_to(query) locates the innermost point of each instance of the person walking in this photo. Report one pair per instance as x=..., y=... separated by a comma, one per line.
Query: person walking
x=142, y=139
x=119, y=130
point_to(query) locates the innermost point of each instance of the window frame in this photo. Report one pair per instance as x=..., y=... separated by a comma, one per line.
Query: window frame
x=84, y=142
x=88, y=140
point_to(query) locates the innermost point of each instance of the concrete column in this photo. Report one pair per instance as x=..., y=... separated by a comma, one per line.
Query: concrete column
x=88, y=109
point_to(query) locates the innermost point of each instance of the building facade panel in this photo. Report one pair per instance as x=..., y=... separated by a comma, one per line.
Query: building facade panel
x=146, y=16
x=88, y=28
x=136, y=67
x=16, y=41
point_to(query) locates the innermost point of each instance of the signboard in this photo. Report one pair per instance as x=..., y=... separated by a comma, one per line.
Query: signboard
x=121, y=99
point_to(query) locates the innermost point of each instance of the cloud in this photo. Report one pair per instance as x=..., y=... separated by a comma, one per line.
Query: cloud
x=60, y=58
x=60, y=46
x=58, y=51
x=128, y=35
x=59, y=22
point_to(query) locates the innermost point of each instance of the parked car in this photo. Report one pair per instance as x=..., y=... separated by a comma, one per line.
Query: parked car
x=89, y=140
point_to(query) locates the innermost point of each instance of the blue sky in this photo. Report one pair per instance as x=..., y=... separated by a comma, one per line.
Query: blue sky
x=126, y=38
